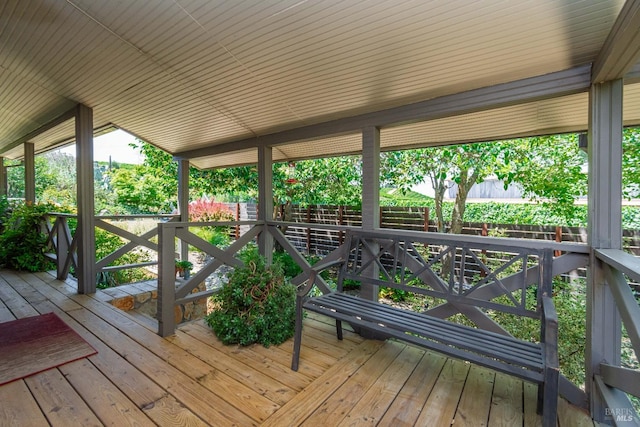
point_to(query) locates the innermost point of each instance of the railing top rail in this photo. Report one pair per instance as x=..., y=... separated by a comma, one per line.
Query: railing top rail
x=137, y=216
x=210, y=224
x=62, y=214
x=72, y=215
x=502, y=243
x=620, y=260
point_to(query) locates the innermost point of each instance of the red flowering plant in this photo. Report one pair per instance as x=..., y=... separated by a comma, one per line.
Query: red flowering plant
x=205, y=209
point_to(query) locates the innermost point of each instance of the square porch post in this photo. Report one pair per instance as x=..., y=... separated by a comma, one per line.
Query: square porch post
x=86, y=207
x=29, y=172
x=3, y=177
x=183, y=201
x=265, y=199
x=604, y=230
x=370, y=197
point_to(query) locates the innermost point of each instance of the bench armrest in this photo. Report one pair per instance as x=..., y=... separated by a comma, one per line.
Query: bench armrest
x=313, y=274
x=549, y=331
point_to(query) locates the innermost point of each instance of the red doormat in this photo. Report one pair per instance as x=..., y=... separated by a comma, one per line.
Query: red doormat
x=35, y=344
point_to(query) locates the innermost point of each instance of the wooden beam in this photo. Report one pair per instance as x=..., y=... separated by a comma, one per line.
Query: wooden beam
x=621, y=49
x=551, y=85
x=623, y=261
x=626, y=304
x=617, y=407
x=633, y=76
x=625, y=379
x=67, y=115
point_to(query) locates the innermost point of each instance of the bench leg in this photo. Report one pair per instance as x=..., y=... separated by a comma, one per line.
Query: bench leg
x=339, y=329
x=297, y=338
x=548, y=398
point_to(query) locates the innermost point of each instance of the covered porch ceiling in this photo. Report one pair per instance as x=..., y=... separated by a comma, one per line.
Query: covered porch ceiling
x=212, y=80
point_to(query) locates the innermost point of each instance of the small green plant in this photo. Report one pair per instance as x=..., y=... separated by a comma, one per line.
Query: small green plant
x=184, y=264
x=183, y=267
x=395, y=295
x=257, y=305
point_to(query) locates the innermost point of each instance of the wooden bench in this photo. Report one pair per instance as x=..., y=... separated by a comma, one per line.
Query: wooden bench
x=414, y=264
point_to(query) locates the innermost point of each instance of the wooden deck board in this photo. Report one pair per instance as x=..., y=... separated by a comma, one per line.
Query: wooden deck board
x=191, y=379
x=475, y=402
x=19, y=408
x=506, y=404
x=59, y=401
x=440, y=408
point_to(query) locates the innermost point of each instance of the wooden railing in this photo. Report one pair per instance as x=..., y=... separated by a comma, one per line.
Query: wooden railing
x=172, y=294
x=64, y=245
x=614, y=380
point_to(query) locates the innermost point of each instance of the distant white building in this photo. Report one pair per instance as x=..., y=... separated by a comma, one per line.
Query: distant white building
x=490, y=188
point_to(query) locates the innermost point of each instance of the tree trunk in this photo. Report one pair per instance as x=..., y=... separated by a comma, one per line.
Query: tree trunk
x=439, y=186
x=464, y=186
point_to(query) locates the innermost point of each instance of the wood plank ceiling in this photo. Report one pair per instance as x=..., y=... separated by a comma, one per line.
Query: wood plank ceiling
x=188, y=74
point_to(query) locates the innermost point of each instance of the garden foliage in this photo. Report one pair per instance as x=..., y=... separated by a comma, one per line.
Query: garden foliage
x=208, y=210
x=23, y=242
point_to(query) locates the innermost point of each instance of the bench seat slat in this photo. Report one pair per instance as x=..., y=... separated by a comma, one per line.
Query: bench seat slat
x=457, y=337
x=533, y=376
x=356, y=306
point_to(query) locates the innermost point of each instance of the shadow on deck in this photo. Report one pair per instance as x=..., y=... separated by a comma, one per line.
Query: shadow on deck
x=139, y=378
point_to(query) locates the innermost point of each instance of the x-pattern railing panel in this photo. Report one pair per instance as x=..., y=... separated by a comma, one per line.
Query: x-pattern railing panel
x=443, y=274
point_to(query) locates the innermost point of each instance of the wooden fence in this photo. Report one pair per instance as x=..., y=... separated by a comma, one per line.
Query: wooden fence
x=322, y=241
x=418, y=219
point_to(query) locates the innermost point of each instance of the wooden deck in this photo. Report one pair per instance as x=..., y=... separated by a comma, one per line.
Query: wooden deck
x=139, y=378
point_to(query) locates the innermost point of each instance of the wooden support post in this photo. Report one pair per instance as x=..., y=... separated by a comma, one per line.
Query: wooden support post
x=3, y=177
x=484, y=232
x=557, y=253
x=86, y=273
x=426, y=218
x=183, y=202
x=370, y=198
x=29, y=173
x=604, y=231
x=166, y=280
x=265, y=200
x=62, y=247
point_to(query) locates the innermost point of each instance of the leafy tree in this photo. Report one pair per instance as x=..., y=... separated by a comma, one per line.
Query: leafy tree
x=548, y=169
x=631, y=162
x=139, y=191
x=56, y=178
x=464, y=165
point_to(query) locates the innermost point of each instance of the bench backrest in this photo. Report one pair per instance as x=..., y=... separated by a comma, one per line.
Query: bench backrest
x=458, y=272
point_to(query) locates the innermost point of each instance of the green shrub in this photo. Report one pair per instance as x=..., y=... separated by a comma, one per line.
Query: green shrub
x=257, y=305
x=289, y=267
x=23, y=244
